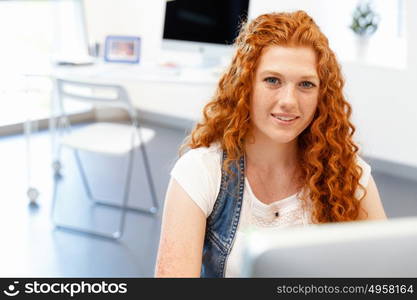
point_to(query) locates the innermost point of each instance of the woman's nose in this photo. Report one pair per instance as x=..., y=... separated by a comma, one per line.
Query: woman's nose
x=288, y=98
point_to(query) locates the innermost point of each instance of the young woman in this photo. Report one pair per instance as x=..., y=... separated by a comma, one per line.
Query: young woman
x=274, y=149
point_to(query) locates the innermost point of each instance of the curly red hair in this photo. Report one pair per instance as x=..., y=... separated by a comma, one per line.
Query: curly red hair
x=328, y=164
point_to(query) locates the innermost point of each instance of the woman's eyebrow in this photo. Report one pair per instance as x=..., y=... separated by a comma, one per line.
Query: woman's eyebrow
x=271, y=72
x=311, y=77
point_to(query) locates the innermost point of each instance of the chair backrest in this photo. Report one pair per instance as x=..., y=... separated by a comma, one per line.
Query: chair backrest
x=94, y=93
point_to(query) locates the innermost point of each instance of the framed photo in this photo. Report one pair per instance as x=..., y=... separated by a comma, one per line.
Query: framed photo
x=122, y=49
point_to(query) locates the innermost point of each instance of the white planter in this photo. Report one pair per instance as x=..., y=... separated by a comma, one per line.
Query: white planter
x=362, y=46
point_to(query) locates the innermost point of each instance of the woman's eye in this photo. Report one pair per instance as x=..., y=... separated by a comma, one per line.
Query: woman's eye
x=272, y=80
x=307, y=84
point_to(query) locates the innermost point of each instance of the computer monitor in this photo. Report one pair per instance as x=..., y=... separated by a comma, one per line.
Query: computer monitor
x=353, y=249
x=206, y=27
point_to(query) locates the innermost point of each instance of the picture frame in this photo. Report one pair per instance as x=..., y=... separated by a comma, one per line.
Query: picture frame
x=122, y=49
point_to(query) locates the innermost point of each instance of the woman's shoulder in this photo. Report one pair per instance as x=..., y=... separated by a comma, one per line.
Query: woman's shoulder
x=198, y=171
x=360, y=160
x=201, y=159
x=366, y=168
x=208, y=155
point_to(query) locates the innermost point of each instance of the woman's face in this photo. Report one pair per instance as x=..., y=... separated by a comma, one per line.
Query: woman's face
x=285, y=93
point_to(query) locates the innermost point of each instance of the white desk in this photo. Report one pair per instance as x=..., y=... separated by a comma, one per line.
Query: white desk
x=178, y=93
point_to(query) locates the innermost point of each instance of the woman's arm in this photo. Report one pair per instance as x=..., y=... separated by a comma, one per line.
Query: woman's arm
x=182, y=235
x=372, y=204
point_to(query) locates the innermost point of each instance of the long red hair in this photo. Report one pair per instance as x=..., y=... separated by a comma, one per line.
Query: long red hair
x=327, y=152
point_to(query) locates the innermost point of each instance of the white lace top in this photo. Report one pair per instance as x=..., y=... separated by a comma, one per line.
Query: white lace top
x=199, y=174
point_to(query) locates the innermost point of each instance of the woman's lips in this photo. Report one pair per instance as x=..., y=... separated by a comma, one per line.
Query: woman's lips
x=284, y=119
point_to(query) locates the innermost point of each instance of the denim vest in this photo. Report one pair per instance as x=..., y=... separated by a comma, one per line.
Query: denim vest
x=223, y=221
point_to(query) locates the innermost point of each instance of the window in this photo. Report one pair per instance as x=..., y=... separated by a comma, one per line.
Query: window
x=34, y=32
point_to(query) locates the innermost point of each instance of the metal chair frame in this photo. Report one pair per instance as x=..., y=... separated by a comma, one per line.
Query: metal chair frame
x=121, y=100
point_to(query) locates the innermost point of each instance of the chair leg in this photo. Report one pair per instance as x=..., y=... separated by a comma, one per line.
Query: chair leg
x=56, y=163
x=83, y=175
x=155, y=207
x=149, y=178
x=124, y=207
x=126, y=191
x=113, y=236
x=95, y=200
x=56, y=166
x=54, y=192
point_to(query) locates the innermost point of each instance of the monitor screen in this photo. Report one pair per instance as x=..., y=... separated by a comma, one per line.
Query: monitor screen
x=349, y=249
x=215, y=21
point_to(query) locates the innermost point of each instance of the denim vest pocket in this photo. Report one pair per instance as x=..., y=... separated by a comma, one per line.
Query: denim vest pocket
x=214, y=257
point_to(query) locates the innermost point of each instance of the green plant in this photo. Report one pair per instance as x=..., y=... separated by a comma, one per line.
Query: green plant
x=364, y=20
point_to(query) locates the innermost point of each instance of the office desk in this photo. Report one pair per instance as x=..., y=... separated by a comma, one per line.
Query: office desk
x=169, y=92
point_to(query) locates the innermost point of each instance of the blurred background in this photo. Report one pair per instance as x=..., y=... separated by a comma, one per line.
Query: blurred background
x=176, y=52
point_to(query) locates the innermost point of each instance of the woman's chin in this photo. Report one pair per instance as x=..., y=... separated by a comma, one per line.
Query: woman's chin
x=275, y=136
x=283, y=139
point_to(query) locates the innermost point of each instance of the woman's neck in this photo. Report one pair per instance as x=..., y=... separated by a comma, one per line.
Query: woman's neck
x=269, y=156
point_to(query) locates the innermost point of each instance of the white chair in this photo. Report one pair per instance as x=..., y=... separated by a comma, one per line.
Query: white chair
x=126, y=139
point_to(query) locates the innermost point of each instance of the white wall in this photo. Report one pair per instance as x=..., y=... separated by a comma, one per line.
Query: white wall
x=384, y=99
x=127, y=17
x=385, y=103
